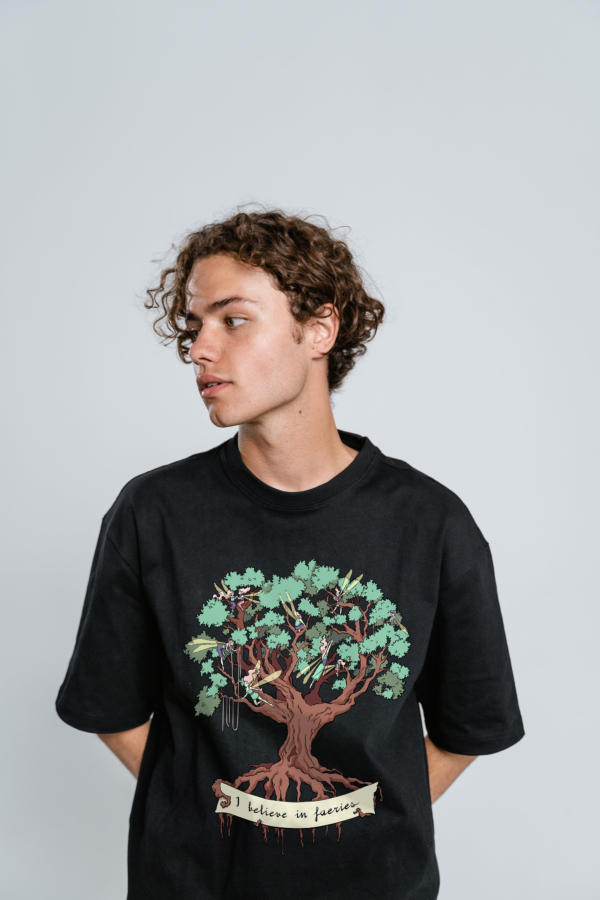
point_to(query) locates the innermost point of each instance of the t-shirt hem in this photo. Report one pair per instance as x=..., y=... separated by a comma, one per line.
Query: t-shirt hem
x=482, y=746
x=103, y=726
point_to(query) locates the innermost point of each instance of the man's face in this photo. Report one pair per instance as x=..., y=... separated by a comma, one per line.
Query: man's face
x=246, y=355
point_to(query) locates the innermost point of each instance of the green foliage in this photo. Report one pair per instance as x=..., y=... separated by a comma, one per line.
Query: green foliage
x=372, y=592
x=270, y=592
x=271, y=618
x=388, y=681
x=250, y=578
x=399, y=646
x=324, y=576
x=302, y=659
x=383, y=609
x=303, y=571
x=268, y=597
x=191, y=648
x=215, y=612
x=315, y=645
x=217, y=681
x=206, y=705
x=401, y=671
x=378, y=639
x=278, y=640
x=348, y=651
x=316, y=631
x=306, y=587
x=309, y=608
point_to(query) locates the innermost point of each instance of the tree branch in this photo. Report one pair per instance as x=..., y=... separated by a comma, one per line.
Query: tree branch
x=349, y=694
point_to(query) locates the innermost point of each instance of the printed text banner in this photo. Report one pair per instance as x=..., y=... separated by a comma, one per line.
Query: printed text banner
x=310, y=814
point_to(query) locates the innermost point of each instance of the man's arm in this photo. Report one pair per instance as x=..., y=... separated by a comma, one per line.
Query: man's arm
x=129, y=746
x=444, y=768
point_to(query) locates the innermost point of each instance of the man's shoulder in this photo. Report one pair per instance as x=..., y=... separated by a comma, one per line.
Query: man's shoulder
x=421, y=498
x=421, y=487
x=169, y=479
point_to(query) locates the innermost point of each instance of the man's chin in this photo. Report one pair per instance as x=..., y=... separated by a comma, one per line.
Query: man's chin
x=224, y=418
x=217, y=418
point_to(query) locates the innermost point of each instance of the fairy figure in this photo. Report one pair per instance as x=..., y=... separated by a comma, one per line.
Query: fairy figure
x=396, y=619
x=222, y=647
x=340, y=664
x=324, y=648
x=250, y=683
x=290, y=609
x=345, y=588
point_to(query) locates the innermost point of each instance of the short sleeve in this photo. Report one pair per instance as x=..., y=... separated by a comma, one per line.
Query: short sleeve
x=466, y=686
x=112, y=680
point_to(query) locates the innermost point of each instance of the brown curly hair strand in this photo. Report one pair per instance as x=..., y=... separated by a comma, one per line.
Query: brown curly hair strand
x=308, y=264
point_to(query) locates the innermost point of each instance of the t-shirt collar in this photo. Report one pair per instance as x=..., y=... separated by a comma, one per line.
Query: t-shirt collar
x=262, y=492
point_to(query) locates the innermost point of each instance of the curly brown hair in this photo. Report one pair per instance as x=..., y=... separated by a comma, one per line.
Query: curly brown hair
x=308, y=264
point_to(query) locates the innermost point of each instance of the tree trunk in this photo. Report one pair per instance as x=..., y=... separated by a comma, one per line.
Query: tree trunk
x=296, y=761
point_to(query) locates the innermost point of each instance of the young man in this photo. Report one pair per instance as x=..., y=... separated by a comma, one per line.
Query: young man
x=205, y=567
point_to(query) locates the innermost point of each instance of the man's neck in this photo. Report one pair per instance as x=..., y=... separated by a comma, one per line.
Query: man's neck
x=296, y=449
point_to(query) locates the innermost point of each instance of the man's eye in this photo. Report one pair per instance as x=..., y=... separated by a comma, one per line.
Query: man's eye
x=234, y=321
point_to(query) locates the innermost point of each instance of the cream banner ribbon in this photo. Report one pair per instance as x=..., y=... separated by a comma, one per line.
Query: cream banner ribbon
x=310, y=814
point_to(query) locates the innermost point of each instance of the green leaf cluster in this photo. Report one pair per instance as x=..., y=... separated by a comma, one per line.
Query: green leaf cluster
x=217, y=681
x=214, y=613
x=250, y=578
x=325, y=577
x=190, y=649
x=309, y=608
x=269, y=595
x=206, y=705
x=270, y=620
x=388, y=685
x=278, y=640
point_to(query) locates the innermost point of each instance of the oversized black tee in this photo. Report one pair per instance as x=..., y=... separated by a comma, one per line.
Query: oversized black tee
x=282, y=643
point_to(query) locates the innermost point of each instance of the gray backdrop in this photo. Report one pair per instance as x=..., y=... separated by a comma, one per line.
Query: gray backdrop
x=459, y=140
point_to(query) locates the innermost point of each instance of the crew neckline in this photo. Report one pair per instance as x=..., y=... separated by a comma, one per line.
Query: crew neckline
x=259, y=490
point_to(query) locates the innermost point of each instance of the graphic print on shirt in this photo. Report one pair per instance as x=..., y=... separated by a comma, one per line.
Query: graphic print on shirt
x=273, y=646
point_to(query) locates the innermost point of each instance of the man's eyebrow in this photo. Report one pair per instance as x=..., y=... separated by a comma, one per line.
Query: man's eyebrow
x=218, y=304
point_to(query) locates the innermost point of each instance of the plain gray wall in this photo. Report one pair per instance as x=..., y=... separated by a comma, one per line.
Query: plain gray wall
x=460, y=141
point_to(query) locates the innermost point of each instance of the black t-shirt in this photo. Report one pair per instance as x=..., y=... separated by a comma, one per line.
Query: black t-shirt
x=283, y=642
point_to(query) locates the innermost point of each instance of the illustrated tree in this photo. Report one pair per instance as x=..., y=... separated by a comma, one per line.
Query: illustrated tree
x=301, y=650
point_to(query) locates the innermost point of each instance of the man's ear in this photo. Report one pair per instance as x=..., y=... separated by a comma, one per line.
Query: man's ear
x=323, y=329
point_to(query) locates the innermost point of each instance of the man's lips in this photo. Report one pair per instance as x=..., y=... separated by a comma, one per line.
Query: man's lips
x=209, y=385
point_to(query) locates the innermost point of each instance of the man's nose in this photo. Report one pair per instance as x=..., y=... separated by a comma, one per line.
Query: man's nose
x=205, y=348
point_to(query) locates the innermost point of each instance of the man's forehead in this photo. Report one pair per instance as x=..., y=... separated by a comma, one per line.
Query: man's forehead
x=215, y=273
x=216, y=282
x=196, y=305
